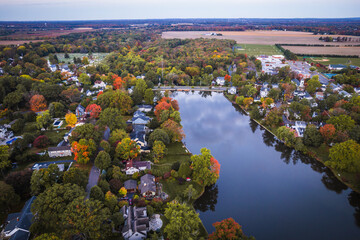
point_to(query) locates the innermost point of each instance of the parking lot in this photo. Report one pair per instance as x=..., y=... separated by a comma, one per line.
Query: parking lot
x=304, y=68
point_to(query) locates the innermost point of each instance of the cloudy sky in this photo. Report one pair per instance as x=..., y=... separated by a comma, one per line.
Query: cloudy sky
x=150, y=9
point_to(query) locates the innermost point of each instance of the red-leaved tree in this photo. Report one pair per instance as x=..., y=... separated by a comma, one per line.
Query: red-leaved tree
x=94, y=110
x=166, y=103
x=37, y=103
x=41, y=141
x=328, y=132
x=118, y=82
x=215, y=166
x=227, y=77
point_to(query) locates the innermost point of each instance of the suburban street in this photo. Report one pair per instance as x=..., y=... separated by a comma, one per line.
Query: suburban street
x=93, y=180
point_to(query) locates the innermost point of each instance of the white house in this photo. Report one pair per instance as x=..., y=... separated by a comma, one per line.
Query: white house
x=220, y=81
x=61, y=151
x=264, y=92
x=232, y=90
x=99, y=84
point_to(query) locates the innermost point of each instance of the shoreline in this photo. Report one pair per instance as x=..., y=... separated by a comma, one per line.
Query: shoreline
x=314, y=156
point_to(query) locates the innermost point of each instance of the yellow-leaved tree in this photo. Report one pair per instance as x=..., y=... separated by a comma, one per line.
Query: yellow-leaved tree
x=70, y=119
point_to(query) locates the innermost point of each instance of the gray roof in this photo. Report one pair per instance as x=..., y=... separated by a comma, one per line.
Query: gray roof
x=147, y=184
x=130, y=184
x=61, y=148
x=139, y=164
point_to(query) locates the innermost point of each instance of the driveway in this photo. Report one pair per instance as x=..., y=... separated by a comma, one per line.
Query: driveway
x=93, y=179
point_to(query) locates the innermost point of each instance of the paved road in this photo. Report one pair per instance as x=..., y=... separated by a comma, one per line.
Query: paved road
x=93, y=179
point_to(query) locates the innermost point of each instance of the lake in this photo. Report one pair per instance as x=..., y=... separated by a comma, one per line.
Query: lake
x=273, y=191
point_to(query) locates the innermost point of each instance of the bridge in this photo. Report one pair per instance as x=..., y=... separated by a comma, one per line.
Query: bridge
x=191, y=88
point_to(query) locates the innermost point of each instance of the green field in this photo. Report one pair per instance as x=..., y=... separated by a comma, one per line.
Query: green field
x=97, y=57
x=257, y=49
x=334, y=60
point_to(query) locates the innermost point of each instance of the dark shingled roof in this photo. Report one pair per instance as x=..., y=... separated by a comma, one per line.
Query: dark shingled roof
x=130, y=184
x=61, y=148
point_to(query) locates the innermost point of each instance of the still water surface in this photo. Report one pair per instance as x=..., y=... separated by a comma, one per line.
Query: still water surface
x=269, y=189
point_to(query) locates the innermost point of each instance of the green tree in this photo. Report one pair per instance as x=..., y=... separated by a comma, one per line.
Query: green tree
x=44, y=178
x=202, y=168
x=103, y=160
x=84, y=79
x=127, y=149
x=96, y=193
x=121, y=101
x=140, y=87
x=76, y=176
x=312, y=136
x=86, y=218
x=183, y=222
x=287, y=135
x=117, y=135
x=8, y=197
x=105, y=145
x=4, y=158
x=158, y=151
x=184, y=170
x=86, y=131
x=49, y=207
x=149, y=96
x=47, y=236
x=345, y=156
x=313, y=84
x=43, y=120
x=190, y=193
x=56, y=109
x=342, y=122
x=112, y=118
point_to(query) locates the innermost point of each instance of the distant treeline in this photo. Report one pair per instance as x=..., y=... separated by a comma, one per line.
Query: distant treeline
x=287, y=53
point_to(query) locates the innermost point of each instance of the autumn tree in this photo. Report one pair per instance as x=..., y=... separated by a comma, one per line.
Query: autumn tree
x=174, y=130
x=121, y=101
x=183, y=221
x=273, y=118
x=71, y=95
x=228, y=229
x=81, y=151
x=118, y=82
x=127, y=149
x=345, y=156
x=84, y=79
x=247, y=101
x=94, y=110
x=342, y=122
x=41, y=141
x=38, y=103
x=227, y=77
x=166, y=103
x=117, y=135
x=70, y=119
x=112, y=118
x=158, y=151
x=205, y=168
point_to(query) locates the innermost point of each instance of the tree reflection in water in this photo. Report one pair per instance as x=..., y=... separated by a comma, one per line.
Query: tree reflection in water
x=253, y=125
x=328, y=178
x=205, y=94
x=208, y=200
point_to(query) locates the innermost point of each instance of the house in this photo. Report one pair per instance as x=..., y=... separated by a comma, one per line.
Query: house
x=336, y=67
x=345, y=94
x=300, y=127
x=136, y=166
x=232, y=90
x=53, y=67
x=147, y=185
x=138, y=135
x=319, y=95
x=142, y=120
x=144, y=108
x=5, y=132
x=89, y=93
x=99, y=84
x=336, y=87
x=62, y=151
x=220, y=81
x=1, y=71
x=17, y=225
x=264, y=91
x=136, y=223
x=79, y=111
x=130, y=185
x=131, y=90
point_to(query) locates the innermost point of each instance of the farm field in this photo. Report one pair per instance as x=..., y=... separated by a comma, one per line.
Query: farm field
x=97, y=57
x=333, y=60
x=259, y=37
x=350, y=51
x=257, y=49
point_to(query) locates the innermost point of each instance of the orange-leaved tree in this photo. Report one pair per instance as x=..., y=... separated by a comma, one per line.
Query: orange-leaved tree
x=118, y=82
x=82, y=155
x=328, y=132
x=227, y=229
x=227, y=77
x=215, y=166
x=127, y=149
x=37, y=103
x=94, y=110
x=166, y=103
x=174, y=130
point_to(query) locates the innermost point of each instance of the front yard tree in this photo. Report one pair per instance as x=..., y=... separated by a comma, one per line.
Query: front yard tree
x=103, y=160
x=159, y=149
x=43, y=120
x=127, y=149
x=345, y=156
x=49, y=206
x=44, y=178
x=88, y=219
x=94, y=110
x=205, y=170
x=228, y=229
x=4, y=158
x=37, y=103
x=76, y=176
x=81, y=152
x=71, y=119
x=183, y=222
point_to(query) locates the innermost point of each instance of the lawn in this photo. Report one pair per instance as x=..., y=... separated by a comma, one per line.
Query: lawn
x=334, y=60
x=257, y=49
x=97, y=57
x=55, y=136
